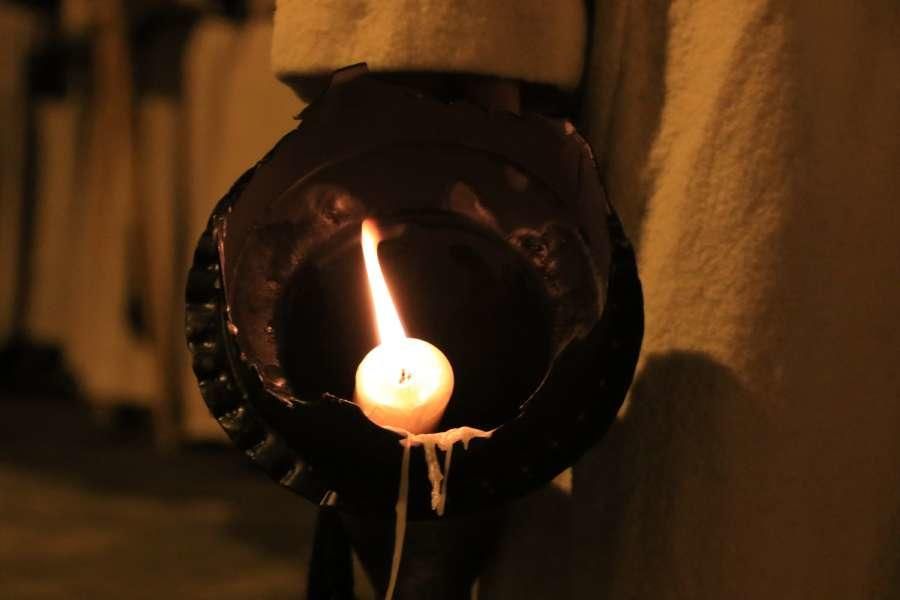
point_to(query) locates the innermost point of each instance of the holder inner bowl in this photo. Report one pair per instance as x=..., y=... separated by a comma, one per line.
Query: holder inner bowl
x=279, y=310
x=456, y=285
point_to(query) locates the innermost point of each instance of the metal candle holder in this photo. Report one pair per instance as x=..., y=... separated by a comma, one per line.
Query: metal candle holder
x=506, y=255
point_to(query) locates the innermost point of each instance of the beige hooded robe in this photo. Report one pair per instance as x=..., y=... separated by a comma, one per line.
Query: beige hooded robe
x=753, y=149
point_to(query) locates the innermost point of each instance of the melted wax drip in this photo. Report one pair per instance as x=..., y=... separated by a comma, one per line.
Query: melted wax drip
x=445, y=440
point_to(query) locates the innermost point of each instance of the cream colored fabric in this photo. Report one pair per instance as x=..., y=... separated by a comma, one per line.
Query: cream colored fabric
x=108, y=358
x=235, y=112
x=208, y=56
x=753, y=150
x=256, y=110
x=158, y=159
x=56, y=210
x=534, y=40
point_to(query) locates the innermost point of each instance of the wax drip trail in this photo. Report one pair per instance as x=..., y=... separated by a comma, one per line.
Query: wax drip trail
x=443, y=503
x=400, y=527
x=444, y=440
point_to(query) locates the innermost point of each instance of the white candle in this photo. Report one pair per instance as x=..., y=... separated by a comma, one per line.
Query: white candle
x=404, y=382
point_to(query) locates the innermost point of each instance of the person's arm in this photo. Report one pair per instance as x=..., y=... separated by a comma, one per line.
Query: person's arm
x=453, y=49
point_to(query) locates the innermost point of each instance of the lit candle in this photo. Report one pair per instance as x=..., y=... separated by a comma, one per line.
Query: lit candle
x=404, y=382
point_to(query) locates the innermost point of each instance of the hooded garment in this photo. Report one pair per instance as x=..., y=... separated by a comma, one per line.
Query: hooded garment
x=129, y=169
x=110, y=358
x=753, y=151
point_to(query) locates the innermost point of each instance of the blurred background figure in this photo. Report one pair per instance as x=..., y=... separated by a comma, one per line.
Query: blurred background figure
x=122, y=125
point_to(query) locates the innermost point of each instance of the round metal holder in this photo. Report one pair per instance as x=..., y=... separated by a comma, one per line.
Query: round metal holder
x=502, y=250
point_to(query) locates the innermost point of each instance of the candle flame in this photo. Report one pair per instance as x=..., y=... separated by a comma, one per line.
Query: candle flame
x=387, y=320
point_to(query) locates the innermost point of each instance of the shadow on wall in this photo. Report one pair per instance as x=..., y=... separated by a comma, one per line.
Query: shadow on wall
x=654, y=501
x=534, y=556
x=689, y=496
x=651, y=502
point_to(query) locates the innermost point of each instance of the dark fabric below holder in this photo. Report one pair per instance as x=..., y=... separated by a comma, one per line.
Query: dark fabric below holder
x=331, y=563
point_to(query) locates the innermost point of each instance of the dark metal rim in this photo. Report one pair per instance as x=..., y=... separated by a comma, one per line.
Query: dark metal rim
x=216, y=360
x=228, y=385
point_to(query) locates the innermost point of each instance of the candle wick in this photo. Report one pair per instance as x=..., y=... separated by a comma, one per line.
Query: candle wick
x=404, y=375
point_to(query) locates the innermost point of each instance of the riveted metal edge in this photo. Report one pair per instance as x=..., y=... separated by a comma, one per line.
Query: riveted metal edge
x=214, y=353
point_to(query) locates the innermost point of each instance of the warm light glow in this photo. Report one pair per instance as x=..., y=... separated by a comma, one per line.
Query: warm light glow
x=403, y=382
x=390, y=328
